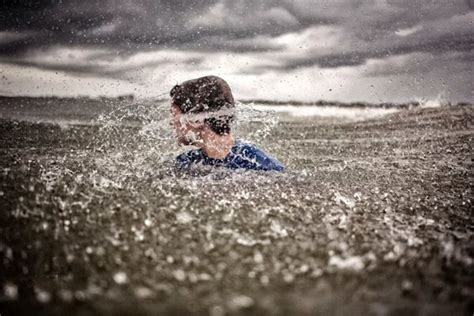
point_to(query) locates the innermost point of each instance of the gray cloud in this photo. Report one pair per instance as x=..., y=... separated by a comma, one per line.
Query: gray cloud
x=92, y=69
x=460, y=40
x=134, y=25
x=366, y=30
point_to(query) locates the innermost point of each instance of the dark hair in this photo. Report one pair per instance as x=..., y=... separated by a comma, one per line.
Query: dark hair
x=206, y=94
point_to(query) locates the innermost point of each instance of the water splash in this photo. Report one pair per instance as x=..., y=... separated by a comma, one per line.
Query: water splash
x=438, y=101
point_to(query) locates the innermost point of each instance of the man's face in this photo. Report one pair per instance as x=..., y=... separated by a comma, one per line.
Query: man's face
x=186, y=131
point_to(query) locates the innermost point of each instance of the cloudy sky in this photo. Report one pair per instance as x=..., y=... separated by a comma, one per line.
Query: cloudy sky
x=346, y=50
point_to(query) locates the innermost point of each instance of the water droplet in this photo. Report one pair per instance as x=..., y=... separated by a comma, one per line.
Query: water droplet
x=240, y=302
x=120, y=277
x=42, y=296
x=10, y=291
x=179, y=275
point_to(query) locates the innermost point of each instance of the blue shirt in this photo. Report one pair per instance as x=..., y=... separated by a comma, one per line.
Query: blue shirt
x=241, y=156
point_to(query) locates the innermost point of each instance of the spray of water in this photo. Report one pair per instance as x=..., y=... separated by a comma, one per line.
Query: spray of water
x=123, y=190
x=134, y=149
x=438, y=101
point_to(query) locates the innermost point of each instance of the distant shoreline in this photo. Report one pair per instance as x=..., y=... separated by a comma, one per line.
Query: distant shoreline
x=131, y=98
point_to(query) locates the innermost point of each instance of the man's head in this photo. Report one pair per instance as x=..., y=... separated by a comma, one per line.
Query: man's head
x=202, y=104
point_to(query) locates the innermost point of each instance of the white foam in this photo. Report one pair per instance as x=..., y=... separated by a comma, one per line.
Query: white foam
x=308, y=111
x=434, y=102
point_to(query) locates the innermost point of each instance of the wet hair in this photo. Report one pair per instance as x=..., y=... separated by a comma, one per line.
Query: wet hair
x=206, y=95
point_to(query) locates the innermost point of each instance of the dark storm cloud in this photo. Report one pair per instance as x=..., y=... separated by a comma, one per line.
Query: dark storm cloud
x=128, y=27
x=92, y=70
x=137, y=25
x=79, y=23
x=358, y=55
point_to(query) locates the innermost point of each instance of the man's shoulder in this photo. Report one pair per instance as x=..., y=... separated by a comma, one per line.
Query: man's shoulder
x=259, y=158
x=249, y=149
x=189, y=157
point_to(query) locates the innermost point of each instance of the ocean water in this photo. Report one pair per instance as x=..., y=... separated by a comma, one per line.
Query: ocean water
x=364, y=193
x=86, y=111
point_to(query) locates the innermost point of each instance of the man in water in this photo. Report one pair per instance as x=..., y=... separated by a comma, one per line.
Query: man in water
x=202, y=113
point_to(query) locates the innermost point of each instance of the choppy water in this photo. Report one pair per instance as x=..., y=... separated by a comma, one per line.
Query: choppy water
x=133, y=154
x=351, y=201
